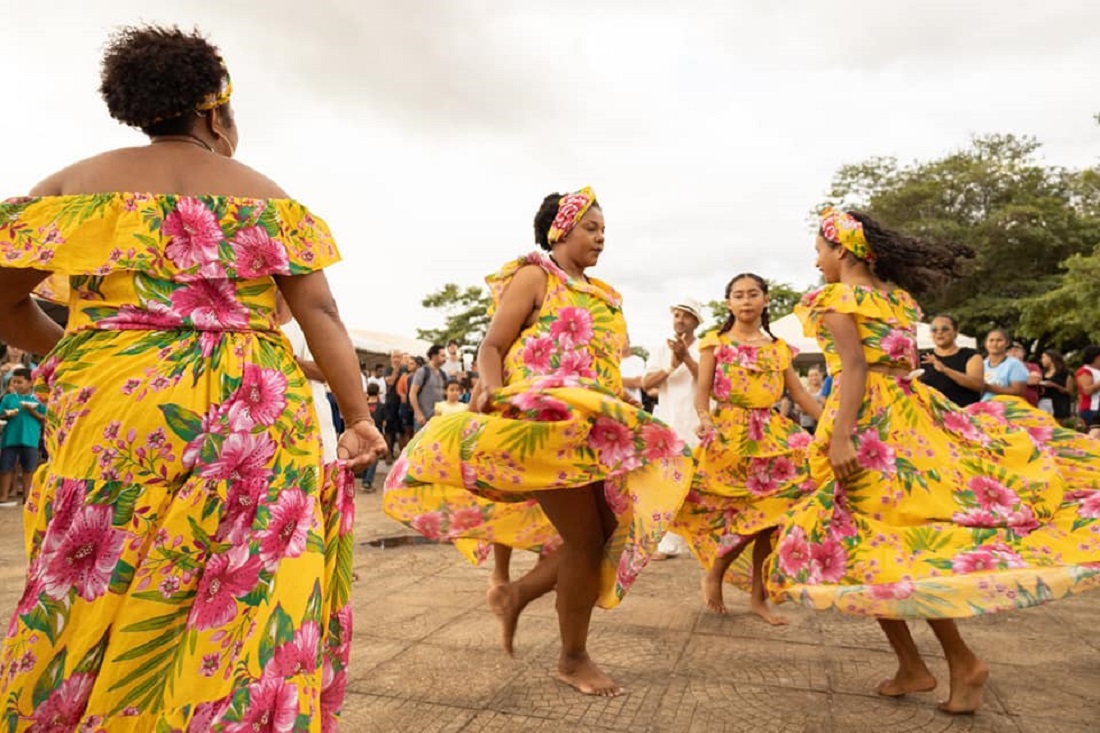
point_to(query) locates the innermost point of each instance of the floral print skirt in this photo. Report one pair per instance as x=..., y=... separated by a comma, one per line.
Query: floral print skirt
x=748, y=475
x=189, y=558
x=954, y=514
x=473, y=478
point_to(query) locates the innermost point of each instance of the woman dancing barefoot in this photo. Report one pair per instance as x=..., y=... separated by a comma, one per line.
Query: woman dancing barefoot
x=552, y=452
x=751, y=465
x=921, y=509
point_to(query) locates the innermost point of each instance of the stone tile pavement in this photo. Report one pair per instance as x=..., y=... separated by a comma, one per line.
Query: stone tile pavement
x=425, y=657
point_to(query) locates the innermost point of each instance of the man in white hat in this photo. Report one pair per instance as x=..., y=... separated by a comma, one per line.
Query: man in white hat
x=674, y=371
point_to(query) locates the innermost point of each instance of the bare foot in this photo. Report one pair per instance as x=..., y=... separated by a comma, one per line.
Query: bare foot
x=584, y=676
x=905, y=682
x=966, y=689
x=659, y=556
x=712, y=595
x=760, y=608
x=495, y=580
x=504, y=603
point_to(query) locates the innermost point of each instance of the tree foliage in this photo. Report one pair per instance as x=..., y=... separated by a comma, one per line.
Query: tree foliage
x=465, y=315
x=1034, y=229
x=784, y=297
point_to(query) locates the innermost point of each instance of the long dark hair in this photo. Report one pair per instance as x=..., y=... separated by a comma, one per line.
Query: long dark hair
x=1056, y=359
x=765, y=317
x=918, y=265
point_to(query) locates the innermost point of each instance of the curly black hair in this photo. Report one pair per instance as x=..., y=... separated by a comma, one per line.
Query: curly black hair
x=153, y=76
x=918, y=265
x=545, y=218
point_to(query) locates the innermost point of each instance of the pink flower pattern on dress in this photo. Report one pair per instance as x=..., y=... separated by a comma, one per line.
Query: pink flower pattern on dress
x=794, y=552
x=992, y=494
x=272, y=708
x=258, y=254
x=194, y=234
x=874, y=455
x=176, y=434
x=576, y=364
x=298, y=656
x=572, y=329
x=261, y=396
x=226, y=577
x=537, y=351
x=62, y=711
x=660, y=442
x=612, y=441
x=210, y=304
x=86, y=556
x=898, y=345
x=288, y=528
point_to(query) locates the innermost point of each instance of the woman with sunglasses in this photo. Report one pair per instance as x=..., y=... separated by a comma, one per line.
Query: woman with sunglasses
x=954, y=371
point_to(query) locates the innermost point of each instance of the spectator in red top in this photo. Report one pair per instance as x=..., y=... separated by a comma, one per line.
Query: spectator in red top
x=1088, y=385
x=1034, y=373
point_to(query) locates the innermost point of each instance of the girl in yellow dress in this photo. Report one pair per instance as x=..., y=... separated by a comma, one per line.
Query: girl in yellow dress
x=751, y=465
x=921, y=511
x=189, y=554
x=551, y=453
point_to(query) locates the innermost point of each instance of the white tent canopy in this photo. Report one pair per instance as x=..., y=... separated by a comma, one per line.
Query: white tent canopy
x=377, y=342
x=789, y=328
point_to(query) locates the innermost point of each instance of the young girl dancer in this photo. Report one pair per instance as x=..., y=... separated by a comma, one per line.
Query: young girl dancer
x=751, y=466
x=921, y=510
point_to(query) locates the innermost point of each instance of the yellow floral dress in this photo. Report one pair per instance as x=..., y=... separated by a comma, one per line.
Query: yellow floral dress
x=950, y=516
x=559, y=422
x=189, y=554
x=753, y=468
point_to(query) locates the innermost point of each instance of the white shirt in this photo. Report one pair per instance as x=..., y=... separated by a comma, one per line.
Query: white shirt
x=381, y=382
x=632, y=366
x=452, y=368
x=676, y=395
x=298, y=343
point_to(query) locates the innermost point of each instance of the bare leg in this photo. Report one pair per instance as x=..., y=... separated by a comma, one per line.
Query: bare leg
x=761, y=548
x=27, y=478
x=576, y=514
x=507, y=600
x=5, y=486
x=713, y=578
x=968, y=673
x=502, y=562
x=913, y=674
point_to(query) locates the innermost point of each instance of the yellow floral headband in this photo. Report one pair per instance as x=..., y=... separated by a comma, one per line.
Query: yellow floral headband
x=571, y=209
x=842, y=228
x=217, y=99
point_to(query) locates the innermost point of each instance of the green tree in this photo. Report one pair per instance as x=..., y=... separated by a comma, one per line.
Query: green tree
x=465, y=314
x=1024, y=220
x=784, y=297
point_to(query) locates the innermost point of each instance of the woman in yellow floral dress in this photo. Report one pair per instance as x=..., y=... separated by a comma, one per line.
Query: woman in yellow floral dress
x=552, y=452
x=189, y=554
x=921, y=510
x=751, y=465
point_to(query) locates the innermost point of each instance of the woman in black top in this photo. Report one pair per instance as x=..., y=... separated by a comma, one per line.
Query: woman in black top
x=955, y=371
x=1055, y=385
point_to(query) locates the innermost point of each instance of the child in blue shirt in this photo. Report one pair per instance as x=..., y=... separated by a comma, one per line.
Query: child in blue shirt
x=24, y=416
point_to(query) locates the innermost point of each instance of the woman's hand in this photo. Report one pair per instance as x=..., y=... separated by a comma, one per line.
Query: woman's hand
x=933, y=361
x=705, y=428
x=843, y=457
x=361, y=444
x=481, y=399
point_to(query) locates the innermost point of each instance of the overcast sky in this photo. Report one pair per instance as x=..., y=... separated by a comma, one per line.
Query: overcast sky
x=427, y=132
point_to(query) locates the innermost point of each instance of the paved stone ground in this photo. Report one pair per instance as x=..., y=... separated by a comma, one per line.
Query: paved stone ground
x=425, y=657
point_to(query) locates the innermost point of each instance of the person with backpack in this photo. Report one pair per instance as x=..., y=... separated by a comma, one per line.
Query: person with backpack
x=427, y=386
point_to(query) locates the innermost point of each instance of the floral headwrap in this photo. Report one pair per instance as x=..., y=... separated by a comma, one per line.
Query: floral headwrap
x=844, y=229
x=571, y=209
x=217, y=99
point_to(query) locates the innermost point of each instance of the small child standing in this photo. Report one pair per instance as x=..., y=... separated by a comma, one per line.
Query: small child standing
x=22, y=434
x=451, y=404
x=374, y=400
